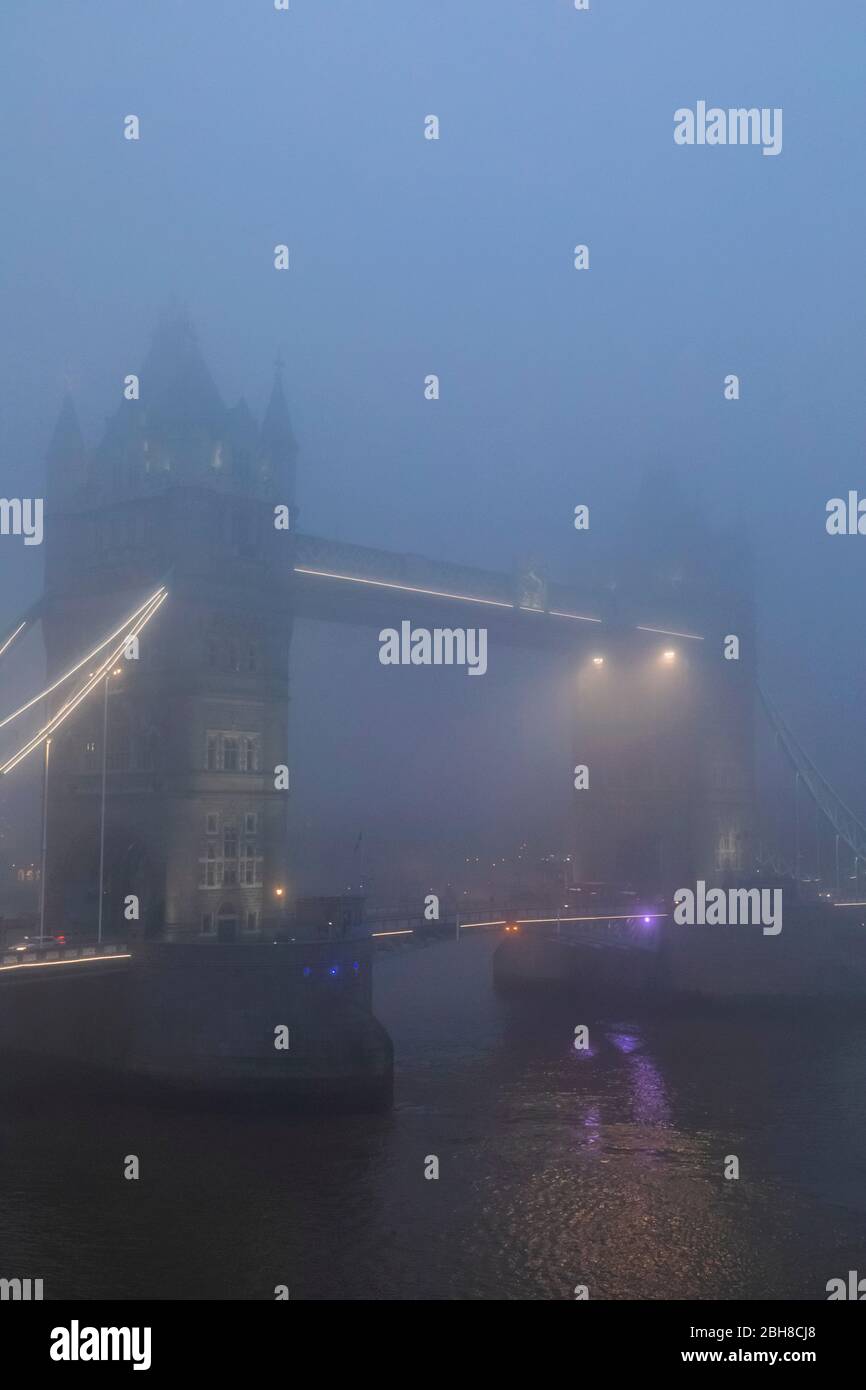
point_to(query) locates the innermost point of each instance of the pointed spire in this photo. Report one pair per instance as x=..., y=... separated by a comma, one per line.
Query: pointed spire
x=66, y=458
x=279, y=447
x=173, y=434
x=177, y=389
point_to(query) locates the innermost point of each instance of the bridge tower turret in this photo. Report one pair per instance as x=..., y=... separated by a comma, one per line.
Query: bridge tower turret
x=182, y=492
x=665, y=720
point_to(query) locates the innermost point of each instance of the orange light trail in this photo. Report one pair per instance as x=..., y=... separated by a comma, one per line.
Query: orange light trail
x=83, y=662
x=74, y=701
x=72, y=960
x=530, y=921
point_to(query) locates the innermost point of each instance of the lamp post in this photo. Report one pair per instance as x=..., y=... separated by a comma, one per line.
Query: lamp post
x=102, y=813
x=44, y=841
x=109, y=674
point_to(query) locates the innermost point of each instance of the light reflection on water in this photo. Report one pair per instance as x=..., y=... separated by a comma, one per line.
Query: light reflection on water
x=557, y=1167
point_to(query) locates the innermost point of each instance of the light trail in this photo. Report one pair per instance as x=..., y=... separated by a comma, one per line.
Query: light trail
x=71, y=960
x=83, y=662
x=406, y=931
x=690, y=636
x=74, y=701
x=490, y=602
x=10, y=640
x=531, y=921
x=578, y=617
x=404, y=588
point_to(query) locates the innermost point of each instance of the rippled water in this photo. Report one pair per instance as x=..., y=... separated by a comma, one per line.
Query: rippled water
x=556, y=1167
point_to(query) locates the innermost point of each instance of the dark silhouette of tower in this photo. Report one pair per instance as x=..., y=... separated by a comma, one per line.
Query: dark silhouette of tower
x=184, y=492
x=667, y=727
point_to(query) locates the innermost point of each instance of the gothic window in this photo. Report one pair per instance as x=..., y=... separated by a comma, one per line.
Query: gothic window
x=234, y=660
x=210, y=868
x=251, y=823
x=232, y=752
x=212, y=823
x=252, y=921
x=207, y=923
x=250, y=866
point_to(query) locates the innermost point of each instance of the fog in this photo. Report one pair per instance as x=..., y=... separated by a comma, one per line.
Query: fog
x=455, y=257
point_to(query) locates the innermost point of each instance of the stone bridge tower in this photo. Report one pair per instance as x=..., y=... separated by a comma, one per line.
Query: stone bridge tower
x=666, y=724
x=181, y=491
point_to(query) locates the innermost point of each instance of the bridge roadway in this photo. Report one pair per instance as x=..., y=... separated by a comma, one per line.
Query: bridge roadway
x=340, y=582
x=98, y=958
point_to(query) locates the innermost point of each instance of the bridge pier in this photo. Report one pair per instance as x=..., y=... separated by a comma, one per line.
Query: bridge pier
x=667, y=734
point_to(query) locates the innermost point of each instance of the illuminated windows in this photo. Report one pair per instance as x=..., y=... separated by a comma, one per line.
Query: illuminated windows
x=229, y=861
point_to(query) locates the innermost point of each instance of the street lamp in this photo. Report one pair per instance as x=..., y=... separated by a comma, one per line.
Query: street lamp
x=44, y=841
x=118, y=670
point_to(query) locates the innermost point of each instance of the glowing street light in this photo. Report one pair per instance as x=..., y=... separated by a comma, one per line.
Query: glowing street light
x=598, y=661
x=669, y=655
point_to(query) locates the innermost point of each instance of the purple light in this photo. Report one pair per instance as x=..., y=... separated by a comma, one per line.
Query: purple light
x=647, y=919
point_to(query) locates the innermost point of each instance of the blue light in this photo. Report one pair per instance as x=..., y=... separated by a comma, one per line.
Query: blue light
x=334, y=970
x=356, y=965
x=307, y=971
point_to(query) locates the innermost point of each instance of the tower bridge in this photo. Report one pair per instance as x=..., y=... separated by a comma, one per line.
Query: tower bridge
x=181, y=492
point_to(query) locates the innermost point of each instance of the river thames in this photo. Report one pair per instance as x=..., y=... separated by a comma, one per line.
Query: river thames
x=557, y=1167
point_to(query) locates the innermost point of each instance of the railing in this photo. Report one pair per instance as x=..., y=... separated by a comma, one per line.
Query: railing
x=17, y=958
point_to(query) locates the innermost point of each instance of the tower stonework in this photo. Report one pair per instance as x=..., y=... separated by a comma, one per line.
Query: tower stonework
x=666, y=727
x=181, y=493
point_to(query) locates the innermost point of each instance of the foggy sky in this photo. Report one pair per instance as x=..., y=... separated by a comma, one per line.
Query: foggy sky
x=455, y=257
